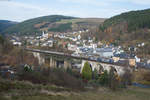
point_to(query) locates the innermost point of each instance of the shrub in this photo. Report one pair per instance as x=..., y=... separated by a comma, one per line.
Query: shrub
x=61, y=78
x=113, y=79
x=103, y=79
x=126, y=79
x=27, y=68
x=146, y=76
x=95, y=74
x=142, y=76
x=73, y=73
x=3, y=98
x=87, y=71
x=52, y=76
x=94, y=83
x=4, y=86
x=34, y=77
x=101, y=69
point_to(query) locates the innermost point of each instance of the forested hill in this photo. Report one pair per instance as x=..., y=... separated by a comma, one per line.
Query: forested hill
x=34, y=25
x=53, y=23
x=127, y=27
x=4, y=24
x=133, y=19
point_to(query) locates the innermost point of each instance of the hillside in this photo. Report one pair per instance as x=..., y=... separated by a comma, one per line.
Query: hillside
x=130, y=27
x=4, y=24
x=53, y=23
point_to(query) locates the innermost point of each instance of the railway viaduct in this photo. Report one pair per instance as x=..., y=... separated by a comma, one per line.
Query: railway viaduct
x=58, y=59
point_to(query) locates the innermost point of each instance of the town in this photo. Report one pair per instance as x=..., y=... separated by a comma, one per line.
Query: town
x=75, y=45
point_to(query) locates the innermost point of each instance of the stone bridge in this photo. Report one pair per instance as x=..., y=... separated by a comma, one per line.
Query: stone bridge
x=58, y=62
x=96, y=65
x=52, y=61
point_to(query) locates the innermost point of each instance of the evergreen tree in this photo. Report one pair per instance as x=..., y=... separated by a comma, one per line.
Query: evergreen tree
x=87, y=71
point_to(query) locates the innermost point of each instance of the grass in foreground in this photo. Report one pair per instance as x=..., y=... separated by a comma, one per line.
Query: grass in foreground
x=131, y=93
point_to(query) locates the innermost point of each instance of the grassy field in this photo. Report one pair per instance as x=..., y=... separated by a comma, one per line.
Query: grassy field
x=132, y=93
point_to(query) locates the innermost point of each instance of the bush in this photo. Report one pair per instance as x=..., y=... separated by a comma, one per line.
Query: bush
x=87, y=71
x=142, y=76
x=101, y=69
x=103, y=79
x=146, y=76
x=52, y=76
x=94, y=83
x=113, y=79
x=95, y=74
x=61, y=78
x=73, y=73
x=4, y=86
x=34, y=77
x=126, y=79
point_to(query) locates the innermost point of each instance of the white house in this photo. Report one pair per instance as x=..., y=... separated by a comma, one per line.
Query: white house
x=148, y=61
x=50, y=43
x=137, y=59
x=44, y=44
x=79, y=37
x=78, y=50
x=72, y=47
x=78, y=42
x=17, y=43
x=104, y=52
x=94, y=46
x=90, y=41
x=74, y=39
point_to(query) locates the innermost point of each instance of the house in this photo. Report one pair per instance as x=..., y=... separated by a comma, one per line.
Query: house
x=83, y=50
x=74, y=39
x=65, y=44
x=84, y=41
x=79, y=37
x=132, y=62
x=45, y=35
x=72, y=47
x=116, y=59
x=6, y=71
x=90, y=41
x=50, y=43
x=137, y=59
x=78, y=50
x=104, y=52
x=17, y=43
x=100, y=43
x=148, y=61
x=94, y=46
x=44, y=44
x=77, y=42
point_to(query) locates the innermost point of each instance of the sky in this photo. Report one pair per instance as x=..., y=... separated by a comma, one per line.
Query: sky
x=20, y=10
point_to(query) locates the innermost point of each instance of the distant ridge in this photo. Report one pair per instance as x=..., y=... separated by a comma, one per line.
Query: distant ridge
x=4, y=24
x=53, y=23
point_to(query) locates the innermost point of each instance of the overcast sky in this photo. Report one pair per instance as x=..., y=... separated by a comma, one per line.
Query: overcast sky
x=20, y=10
